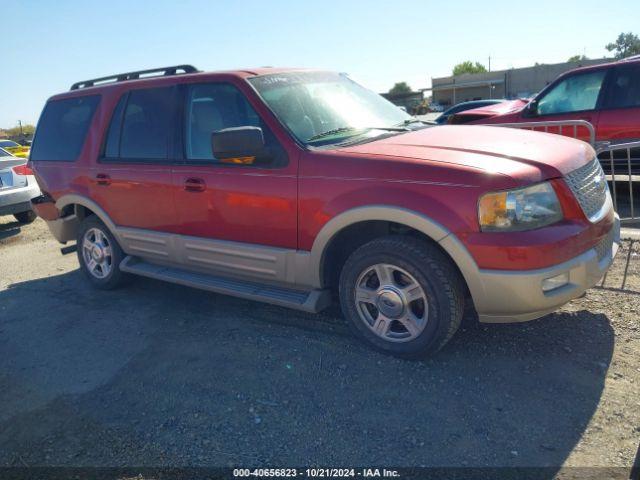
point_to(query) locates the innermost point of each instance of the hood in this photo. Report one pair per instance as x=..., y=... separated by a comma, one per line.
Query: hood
x=510, y=106
x=520, y=154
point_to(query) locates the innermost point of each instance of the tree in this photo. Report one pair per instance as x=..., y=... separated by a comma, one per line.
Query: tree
x=15, y=131
x=577, y=58
x=469, y=67
x=626, y=44
x=400, y=88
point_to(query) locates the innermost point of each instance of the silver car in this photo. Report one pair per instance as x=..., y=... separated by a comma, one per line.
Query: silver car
x=17, y=187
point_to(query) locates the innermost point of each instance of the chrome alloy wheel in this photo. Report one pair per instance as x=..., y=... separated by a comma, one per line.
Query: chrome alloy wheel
x=96, y=252
x=391, y=302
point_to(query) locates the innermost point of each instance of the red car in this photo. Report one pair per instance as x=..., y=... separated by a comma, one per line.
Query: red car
x=607, y=96
x=292, y=186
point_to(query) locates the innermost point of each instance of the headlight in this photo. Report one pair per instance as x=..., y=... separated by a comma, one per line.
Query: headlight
x=521, y=209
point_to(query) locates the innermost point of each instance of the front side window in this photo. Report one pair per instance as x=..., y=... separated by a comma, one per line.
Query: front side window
x=63, y=127
x=112, y=145
x=215, y=106
x=624, y=89
x=573, y=94
x=4, y=153
x=322, y=107
x=145, y=124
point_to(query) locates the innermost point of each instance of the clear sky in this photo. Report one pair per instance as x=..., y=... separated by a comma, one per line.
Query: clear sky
x=50, y=44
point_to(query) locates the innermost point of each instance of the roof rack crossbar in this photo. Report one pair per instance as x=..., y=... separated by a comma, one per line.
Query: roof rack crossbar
x=121, y=77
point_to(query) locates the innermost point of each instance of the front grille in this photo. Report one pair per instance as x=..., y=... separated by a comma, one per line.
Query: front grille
x=604, y=246
x=589, y=185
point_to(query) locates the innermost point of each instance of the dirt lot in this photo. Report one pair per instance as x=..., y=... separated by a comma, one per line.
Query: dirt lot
x=158, y=374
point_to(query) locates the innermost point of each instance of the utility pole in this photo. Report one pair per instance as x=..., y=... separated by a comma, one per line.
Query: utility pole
x=489, y=62
x=20, y=125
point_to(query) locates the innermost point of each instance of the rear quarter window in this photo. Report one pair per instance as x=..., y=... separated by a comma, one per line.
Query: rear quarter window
x=63, y=127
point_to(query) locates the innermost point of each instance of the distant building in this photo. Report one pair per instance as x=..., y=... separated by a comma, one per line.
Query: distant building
x=408, y=100
x=513, y=83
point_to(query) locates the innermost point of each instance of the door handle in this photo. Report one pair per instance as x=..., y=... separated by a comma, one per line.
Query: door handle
x=195, y=185
x=103, y=179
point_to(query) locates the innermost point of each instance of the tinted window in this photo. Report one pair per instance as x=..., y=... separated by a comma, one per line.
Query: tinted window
x=8, y=143
x=573, y=94
x=624, y=90
x=145, y=125
x=4, y=153
x=212, y=107
x=112, y=145
x=63, y=127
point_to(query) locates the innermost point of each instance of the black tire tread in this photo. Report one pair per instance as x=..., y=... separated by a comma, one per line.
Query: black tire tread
x=423, y=254
x=118, y=277
x=25, y=217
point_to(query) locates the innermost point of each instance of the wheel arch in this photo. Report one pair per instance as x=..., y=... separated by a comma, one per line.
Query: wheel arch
x=415, y=222
x=73, y=209
x=335, y=227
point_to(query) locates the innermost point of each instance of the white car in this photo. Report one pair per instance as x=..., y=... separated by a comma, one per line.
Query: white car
x=17, y=187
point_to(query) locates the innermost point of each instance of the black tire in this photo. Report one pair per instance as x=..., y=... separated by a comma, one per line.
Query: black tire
x=26, y=217
x=115, y=277
x=441, y=285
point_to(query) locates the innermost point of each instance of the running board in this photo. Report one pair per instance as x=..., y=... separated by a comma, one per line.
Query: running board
x=313, y=301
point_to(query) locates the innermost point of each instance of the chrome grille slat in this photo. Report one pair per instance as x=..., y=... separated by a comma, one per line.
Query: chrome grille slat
x=589, y=186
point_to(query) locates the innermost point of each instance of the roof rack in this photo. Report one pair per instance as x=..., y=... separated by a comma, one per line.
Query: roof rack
x=121, y=77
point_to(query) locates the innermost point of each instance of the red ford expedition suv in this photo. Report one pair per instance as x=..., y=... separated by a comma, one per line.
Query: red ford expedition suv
x=288, y=186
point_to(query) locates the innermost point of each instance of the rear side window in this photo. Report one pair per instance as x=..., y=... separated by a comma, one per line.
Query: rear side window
x=63, y=127
x=624, y=88
x=145, y=124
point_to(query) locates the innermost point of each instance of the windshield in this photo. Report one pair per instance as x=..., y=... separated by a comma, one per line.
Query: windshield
x=322, y=108
x=8, y=143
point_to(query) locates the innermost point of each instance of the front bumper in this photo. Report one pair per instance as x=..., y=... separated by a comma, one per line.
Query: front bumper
x=502, y=296
x=18, y=199
x=505, y=296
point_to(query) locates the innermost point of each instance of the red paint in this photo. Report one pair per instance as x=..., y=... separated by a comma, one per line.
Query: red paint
x=438, y=172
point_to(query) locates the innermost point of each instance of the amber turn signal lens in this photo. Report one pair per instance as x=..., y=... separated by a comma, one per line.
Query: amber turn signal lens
x=493, y=208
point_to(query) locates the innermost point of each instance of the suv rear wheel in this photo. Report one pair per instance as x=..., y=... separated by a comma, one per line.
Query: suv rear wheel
x=402, y=295
x=99, y=254
x=25, y=217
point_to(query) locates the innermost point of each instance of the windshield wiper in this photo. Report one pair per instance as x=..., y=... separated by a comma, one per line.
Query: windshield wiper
x=409, y=121
x=335, y=131
x=328, y=133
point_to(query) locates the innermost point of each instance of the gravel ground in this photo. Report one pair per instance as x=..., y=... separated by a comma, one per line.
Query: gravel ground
x=159, y=374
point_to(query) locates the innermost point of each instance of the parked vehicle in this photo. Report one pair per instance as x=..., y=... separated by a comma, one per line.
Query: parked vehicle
x=17, y=187
x=15, y=148
x=462, y=106
x=435, y=107
x=287, y=186
x=607, y=96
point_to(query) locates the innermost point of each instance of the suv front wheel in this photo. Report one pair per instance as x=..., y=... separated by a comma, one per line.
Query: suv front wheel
x=99, y=254
x=402, y=294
